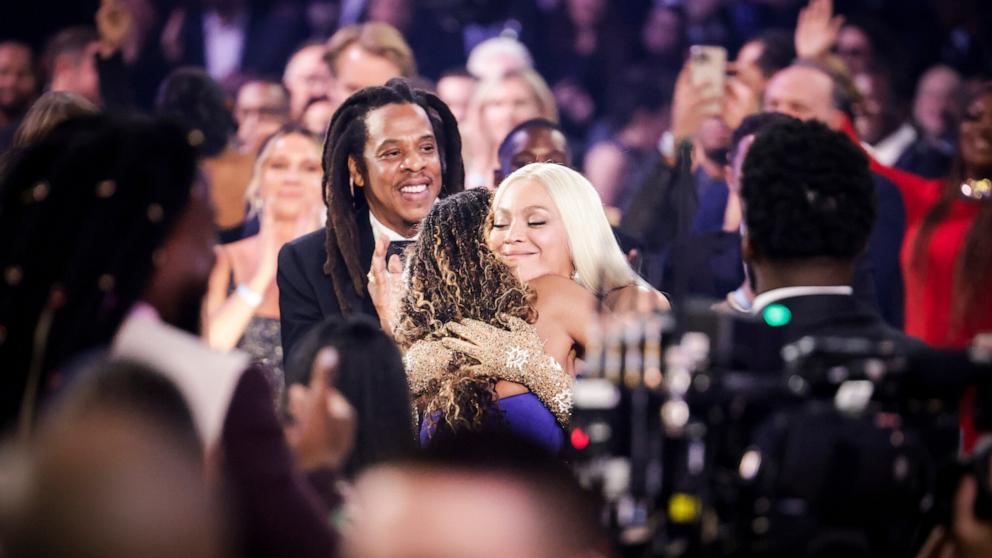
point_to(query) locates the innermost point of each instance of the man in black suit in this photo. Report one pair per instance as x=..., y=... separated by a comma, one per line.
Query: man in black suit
x=809, y=206
x=390, y=152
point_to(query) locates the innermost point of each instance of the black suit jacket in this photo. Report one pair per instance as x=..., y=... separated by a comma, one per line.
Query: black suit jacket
x=841, y=316
x=306, y=293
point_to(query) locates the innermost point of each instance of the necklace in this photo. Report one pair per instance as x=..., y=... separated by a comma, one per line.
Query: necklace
x=977, y=189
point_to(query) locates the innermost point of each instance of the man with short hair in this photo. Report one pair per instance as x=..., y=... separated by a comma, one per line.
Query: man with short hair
x=759, y=59
x=71, y=62
x=535, y=141
x=18, y=81
x=811, y=91
x=808, y=204
x=261, y=108
x=306, y=78
x=368, y=54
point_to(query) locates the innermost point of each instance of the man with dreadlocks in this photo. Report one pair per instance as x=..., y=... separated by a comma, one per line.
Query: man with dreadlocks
x=390, y=151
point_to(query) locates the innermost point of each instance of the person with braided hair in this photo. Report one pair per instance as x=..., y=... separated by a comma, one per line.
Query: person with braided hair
x=389, y=153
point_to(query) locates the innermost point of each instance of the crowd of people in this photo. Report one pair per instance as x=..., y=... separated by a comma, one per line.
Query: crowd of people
x=316, y=278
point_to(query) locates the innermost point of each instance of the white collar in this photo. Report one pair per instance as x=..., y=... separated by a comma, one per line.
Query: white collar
x=774, y=295
x=378, y=230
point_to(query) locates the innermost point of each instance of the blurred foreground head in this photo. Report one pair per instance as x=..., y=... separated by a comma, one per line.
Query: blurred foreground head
x=116, y=472
x=477, y=495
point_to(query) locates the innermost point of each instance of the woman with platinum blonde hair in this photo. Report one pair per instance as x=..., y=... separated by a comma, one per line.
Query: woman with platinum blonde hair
x=547, y=219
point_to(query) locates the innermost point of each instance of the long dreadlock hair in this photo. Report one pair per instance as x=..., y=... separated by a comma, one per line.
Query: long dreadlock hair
x=82, y=213
x=973, y=268
x=453, y=275
x=346, y=137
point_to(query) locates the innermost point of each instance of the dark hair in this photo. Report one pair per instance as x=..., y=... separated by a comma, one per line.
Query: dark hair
x=973, y=268
x=527, y=125
x=752, y=125
x=346, y=138
x=133, y=387
x=638, y=89
x=82, y=212
x=371, y=377
x=777, y=51
x=193, y=99
x=71, y=41
x=807, y=193
x=570, y=511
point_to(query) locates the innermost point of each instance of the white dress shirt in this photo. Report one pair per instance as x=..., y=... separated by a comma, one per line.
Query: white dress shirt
x=378, y=229
x=775, y=295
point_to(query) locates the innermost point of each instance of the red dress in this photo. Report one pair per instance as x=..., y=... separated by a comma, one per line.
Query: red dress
x=930, y=293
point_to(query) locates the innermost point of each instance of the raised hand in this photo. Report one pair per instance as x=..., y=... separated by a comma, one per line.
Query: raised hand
x=691, y=105
x=325, y=426
x=817, y=28
x=385, y=284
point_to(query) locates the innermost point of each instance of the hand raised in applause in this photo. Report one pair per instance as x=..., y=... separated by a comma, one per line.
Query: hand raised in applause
x=817, y=28
x=325, y=422
x=385, y=284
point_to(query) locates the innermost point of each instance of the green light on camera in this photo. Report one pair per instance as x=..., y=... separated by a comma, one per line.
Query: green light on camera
x=776, y=315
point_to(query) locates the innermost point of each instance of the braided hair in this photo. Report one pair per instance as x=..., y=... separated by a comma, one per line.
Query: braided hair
x=346, y=137
x=82, y=213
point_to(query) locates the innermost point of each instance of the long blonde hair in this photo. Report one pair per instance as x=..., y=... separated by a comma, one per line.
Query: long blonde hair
x=253, y=193
x=600, y=264
x=478, y=145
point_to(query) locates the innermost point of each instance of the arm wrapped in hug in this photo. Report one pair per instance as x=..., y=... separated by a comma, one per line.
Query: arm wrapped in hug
x=515, y=355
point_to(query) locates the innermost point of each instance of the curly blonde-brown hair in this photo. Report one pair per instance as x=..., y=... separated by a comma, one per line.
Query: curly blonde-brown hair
x=453, y=276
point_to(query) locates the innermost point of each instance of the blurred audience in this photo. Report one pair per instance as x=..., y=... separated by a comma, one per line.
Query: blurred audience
x=19, y=83
x=260, y=109
x=494, y=58
x=242, y=303
x=306, y=78
x=192, y=98
x=495, y=108
x=489, y=495
x=365, y=55
x=371, y=378
x=455, y=88
x=50, y=110
x=316, y=115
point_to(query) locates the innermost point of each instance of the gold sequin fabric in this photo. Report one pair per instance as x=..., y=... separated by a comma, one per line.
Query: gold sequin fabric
x=515, y=355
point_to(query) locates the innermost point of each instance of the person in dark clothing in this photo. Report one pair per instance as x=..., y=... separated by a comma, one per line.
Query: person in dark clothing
x=809, y=207
x=113, y=244
x=390, y=152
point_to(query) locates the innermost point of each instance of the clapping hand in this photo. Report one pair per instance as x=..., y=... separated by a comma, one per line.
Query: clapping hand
x=325, y=422
x=817, y=28
x=385, y=283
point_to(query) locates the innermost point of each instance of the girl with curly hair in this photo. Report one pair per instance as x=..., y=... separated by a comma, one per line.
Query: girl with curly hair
x=455, y=287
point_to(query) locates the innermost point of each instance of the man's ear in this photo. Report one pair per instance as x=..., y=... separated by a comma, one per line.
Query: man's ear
x=356, y=176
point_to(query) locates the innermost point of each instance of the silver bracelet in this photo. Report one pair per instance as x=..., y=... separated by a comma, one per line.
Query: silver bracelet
x=250, y=297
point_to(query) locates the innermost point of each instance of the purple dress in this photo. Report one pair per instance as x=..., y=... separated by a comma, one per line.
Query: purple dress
x=525, y=415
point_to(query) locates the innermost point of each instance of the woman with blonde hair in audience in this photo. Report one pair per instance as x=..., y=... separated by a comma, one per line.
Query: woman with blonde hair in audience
x=496, y=107
x=242, y=304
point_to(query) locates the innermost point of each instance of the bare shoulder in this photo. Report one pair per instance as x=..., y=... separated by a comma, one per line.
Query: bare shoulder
x=555, y=287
